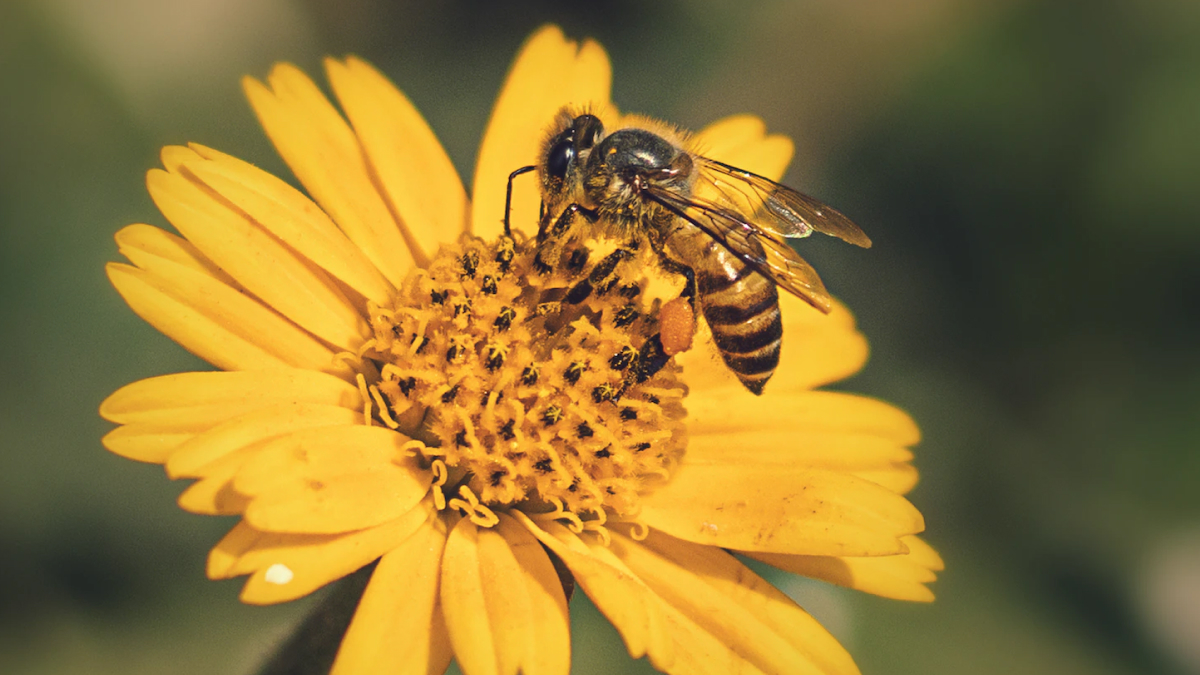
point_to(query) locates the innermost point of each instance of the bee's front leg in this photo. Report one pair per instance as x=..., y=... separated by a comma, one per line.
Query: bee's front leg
x=552, y=235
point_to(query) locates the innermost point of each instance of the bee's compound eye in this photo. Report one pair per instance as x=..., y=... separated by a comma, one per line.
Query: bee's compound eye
x=560, y=158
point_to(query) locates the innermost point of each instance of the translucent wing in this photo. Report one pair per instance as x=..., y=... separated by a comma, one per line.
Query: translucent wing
x=762, y=248
x=775, y=208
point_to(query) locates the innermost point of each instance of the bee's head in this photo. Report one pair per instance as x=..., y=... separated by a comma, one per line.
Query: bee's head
x=564, y=153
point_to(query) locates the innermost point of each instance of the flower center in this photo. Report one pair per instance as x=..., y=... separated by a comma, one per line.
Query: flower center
x=533, y=384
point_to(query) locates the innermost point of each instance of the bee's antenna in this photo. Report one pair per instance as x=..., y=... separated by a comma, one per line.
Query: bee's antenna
x=508, y=197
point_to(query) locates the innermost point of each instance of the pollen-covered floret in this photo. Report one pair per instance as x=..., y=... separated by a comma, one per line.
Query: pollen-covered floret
x=529, y=396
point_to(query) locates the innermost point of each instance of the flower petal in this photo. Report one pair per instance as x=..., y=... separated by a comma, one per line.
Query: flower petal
x=262, y=264
x=254, y=429
x=823, y=412
x=292, y=217
x=634, y=610
x=288, y=566
x=900, y=477
x=213, y=494
x=328, y=159
x=900, y=577
x=769, y=507
x=145, y=442
x=198, y=401
x=398, y=626
x=549, y=73
x=331, y=480
x=742, y=141
x=414, y=172
x=723, y=597
x=216, y=322
x=139, y=243
x=505, y=608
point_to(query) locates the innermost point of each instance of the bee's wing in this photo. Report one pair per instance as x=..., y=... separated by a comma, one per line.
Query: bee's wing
x=758, y=247
x=777, y=209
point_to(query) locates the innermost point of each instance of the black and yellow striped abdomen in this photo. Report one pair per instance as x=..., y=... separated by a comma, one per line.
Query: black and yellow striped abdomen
x=741, y=307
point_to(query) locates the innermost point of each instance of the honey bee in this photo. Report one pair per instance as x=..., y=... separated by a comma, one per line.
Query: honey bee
x=725, y=229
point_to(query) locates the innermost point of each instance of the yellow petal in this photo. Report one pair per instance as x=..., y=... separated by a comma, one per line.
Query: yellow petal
x=254, y=429
x=331, y=480
x=216, y=322
x=414, y=172
x=628, y=603
x=824, y=412
x=145, y=442
x=140, y=242
x=505, y=608
x=213, y=494
x=398, y=627
x=260, y=262
x=900, y=477
x=900, y=577
x=725, y=598
x=742, y=141
x=292, y=217
x=769, y=507
x=198, y=401
x=327, y=158
x=550, y=72
x=288, y=566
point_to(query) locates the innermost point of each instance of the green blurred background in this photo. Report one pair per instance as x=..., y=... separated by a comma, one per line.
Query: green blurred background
x=1029, y=171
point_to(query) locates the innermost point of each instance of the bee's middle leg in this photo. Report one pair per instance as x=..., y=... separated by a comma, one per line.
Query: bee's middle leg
x=599, y=277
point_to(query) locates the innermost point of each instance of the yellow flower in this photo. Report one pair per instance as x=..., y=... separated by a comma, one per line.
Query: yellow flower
x=397, y=388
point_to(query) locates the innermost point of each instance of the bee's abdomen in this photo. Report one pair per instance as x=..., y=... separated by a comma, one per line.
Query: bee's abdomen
x=742, y=309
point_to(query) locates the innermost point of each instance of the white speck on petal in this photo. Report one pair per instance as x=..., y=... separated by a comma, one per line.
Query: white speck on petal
x=279, y=574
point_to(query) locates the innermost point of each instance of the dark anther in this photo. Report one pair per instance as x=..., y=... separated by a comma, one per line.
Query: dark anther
x=529, y=376
x=573, y=487
x=460, y=439
x=622, y=359
x=603, y=452
x=505, y=253
x=584, y=430
x=495, y=357
x=540, y=265
x=552, y=415
x=454, y=351
x=641, y=446
x=574, y=372
x=505, y=318
x=544, y=465
x=497, y=476
x=630, y=291
x=488, y=285
x=422, y=343
x=506, y=431
x=450, y=394
x=653, y=399
x=579, y=258
x=604, y=392
x=396, y=331
x=628, y=414
x=438, y=297
x=462, y=307
x=625, y=316
x=407, y=385
x=470, y=263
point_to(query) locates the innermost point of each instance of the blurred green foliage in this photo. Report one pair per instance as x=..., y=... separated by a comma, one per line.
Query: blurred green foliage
x=1028, y=171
